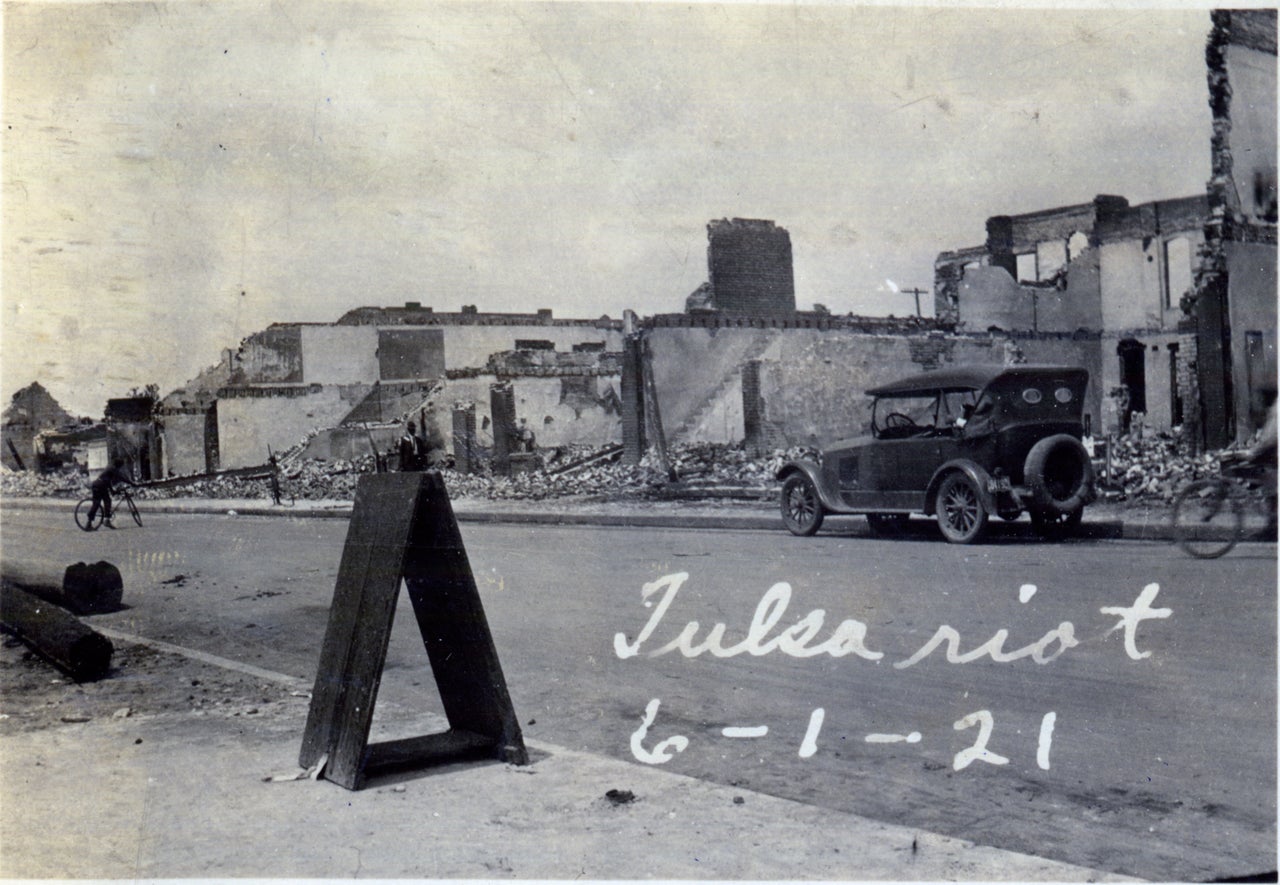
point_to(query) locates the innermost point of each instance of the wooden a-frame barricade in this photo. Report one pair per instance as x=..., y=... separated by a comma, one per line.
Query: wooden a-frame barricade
x=403, y=527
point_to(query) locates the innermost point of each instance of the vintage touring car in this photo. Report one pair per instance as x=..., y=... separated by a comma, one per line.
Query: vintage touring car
x=964, y=443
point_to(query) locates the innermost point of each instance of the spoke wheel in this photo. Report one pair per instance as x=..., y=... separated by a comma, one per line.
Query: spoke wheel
x=961, y=516
x=1208, y=519
x=133, y=510
x=82, y=515
x=801, y=507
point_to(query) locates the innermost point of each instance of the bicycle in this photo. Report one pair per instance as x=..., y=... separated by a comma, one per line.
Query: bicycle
x=86, y=505
x=1208, y=515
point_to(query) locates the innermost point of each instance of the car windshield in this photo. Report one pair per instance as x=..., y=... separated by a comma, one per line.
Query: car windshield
x=903, y=415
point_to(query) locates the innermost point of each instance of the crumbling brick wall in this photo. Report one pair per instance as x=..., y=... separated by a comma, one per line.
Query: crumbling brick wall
x=932, y=352
x=272, y=356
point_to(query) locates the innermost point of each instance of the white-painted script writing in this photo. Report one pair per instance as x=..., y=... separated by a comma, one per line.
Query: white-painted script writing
x=849, y=636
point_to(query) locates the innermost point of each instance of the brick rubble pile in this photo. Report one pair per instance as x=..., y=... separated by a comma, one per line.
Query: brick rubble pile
x=1152, y=468
x=1142, y=467
x=579, y=472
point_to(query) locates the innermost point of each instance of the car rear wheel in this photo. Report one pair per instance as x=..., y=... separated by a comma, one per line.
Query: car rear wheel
x=961, y=514
x=801, y=507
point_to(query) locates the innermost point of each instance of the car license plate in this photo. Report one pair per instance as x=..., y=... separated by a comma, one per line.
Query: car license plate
x=999, y=484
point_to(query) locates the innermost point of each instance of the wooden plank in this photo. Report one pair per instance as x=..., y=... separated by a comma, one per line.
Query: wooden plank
x=408, y=754
x=454, y=629
x=360, y=619
x=55, y=634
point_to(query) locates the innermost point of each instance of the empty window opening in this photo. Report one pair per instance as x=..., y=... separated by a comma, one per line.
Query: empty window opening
x=1051, y=257
x=1027, y=267
x=1078, y=242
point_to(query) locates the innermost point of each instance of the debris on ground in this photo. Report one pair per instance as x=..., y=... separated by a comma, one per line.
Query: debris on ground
x=1143, y=466
x=620, y=797
x=1153, y=467
x=567, y=471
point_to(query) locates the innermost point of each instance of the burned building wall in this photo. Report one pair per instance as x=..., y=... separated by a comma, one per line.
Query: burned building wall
x=1148, y=254
x=30, y=411
x=409, y=353
x=576, y=409
x=988, y=297
x=272, y=356
x=333, y=354
x=471, y=346
x=697, y=362
x=251, y=419
x=695, y=369
x=811, y=389
x=1251, y=271
x=1115, y=271
x=1234, y=303
x=750, y=267
x=1139, y=381
x=1251, y=63
x=184, y=442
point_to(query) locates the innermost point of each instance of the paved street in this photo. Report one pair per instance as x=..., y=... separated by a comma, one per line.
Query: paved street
x=1107, y=703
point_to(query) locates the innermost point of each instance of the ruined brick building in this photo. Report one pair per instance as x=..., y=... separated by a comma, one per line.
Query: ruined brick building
x=32, y=411
x=1179, y=294
x=1234, y=302
x=375, y=365
x=1103, y=272
x=1169, y=304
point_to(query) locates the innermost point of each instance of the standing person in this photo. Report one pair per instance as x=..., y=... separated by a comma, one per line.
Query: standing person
x=101, y=490
x=275, y=478
x=410, y=447
x=524, y=435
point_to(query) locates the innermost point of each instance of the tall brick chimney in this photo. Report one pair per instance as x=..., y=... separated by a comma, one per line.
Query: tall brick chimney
x=749, y=261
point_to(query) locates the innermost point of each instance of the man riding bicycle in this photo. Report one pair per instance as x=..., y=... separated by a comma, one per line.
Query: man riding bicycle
x=101, y=490
x=1260, y=460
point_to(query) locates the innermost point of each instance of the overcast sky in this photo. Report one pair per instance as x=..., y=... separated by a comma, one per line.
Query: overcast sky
x=180, y=175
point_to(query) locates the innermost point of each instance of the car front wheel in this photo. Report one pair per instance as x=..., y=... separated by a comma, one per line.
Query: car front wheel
x=801, y=508
x=961, y=515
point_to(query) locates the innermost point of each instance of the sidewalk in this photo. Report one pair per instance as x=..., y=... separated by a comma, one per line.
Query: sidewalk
x=175, y=797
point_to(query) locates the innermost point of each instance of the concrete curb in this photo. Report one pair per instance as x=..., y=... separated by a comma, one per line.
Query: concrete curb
x=1154, y=527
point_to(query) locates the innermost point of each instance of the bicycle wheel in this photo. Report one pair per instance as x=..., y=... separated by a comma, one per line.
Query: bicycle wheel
x=1208, y=518
x=82, y=515
x=133, y=509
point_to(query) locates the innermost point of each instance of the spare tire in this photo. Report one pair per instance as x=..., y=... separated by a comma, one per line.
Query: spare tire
x=1059, y=474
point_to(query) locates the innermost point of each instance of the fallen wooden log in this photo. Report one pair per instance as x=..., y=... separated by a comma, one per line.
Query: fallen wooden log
x=55, y=634
x=82, y=588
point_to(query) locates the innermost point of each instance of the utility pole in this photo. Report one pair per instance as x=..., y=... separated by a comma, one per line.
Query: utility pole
x=917, y=293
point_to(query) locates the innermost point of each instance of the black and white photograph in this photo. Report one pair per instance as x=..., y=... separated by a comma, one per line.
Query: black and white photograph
x=615, y=440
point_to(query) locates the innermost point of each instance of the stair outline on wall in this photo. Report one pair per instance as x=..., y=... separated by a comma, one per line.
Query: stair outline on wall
x=763, y=339
x=370, y=408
